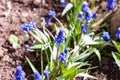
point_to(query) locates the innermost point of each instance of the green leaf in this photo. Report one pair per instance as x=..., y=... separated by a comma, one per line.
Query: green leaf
x=67, y=8
x=40, y=46
x=88, y=40
x=31, y=65
x=70, y=71
x=98, y=54
x=71, y=76
x=75, y=52
x=14, y=41
x=71, y=68
x=85, y=75
x=117, y=45
x=116, y=56
x=41, y=35
x=54, y=53
x=60, y=78
x=36, y=37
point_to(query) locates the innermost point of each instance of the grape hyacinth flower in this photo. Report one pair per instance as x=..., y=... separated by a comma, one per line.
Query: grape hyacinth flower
x=62, y=56
x=28, y=26
x=48, y=20
x=19, y=75
x=94, y=16
x=84, y=29
x=51, y=13
x=84, y=6
x=88, y=14
x=106, y=36
x=60, y=37
x=64, y=53
x=92, y=35
x=118, y=34
x=46, y=73
x=63, y=3
x=37, y=76
x=110, y=4
x=27, y=47
x=81, y=16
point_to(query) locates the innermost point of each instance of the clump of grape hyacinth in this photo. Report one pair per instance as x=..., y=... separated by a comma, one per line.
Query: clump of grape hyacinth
x=106, y=36
x=46, y=73
x=63, y=3
x=37, y=76
x=60, y=37
x=110, y=4
x=19, y=75
x=28, y=26
x=118, y=33
x=62, y=56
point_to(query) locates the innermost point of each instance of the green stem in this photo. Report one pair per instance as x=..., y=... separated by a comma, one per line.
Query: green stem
x=47, y=56
x=41, y=63
x=57, y=55
x=58, y=21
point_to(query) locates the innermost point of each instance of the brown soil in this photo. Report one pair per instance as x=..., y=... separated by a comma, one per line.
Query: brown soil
x=13, y=13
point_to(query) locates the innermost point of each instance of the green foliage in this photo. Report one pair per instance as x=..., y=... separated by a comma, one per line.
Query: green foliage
x=116, y=56
x=67, y=8
x=14, y=41
x=117, y=45
x=81, y=46
x=31, y=65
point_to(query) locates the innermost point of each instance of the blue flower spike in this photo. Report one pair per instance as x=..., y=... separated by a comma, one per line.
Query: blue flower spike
x=110, y=4
x=19, y=75
x=27, y=47
x=88, y=14
x=84, y=6
x=51, y=13
x=63, y=3
x=64, y=53
x=62, y=58
x=94, y=15
x=106, y=36
x=48, y=20
x=118, y=34
x=81, y=16
x=60, y=37
x=37, y=76
x=84, y=29
x=28, y=26
x=46, y=73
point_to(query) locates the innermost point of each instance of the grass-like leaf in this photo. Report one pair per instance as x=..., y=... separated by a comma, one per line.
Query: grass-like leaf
x=85, y=75
x=67, y=8
x=40, y=46
x=116, y=56
x=98, y=54
x=14, y=41
x=117, y=45
x=31, y=65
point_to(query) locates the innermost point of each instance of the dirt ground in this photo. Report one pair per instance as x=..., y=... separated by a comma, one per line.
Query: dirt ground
x=13, y=13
